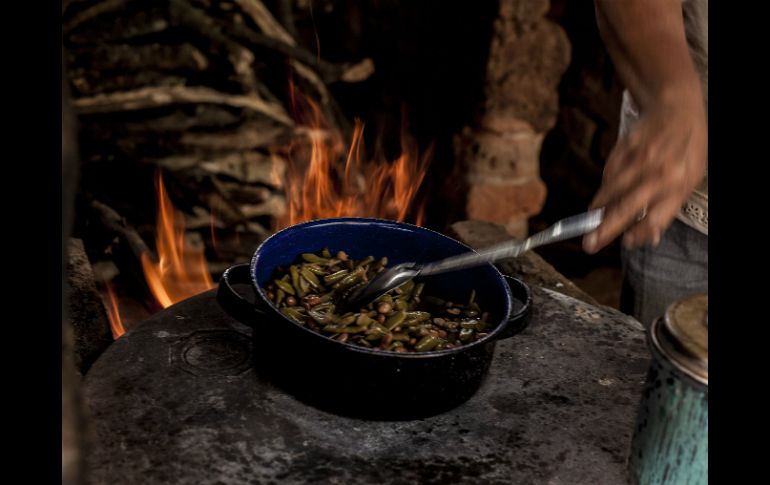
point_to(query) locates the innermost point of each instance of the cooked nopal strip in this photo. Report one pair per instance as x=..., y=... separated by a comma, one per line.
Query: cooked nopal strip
x=404, y=320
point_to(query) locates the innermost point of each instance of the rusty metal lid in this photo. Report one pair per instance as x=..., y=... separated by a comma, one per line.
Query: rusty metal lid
x=682, y=336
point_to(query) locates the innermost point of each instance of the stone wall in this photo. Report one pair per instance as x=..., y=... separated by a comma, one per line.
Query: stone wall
x=499, y=154
x=575, y=150
x=549, y=121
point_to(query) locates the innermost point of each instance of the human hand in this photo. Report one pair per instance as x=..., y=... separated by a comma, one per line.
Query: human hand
x=650, y=173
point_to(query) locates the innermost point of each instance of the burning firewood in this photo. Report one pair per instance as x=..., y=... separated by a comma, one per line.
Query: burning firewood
x=236, y=113
x=112, y=222
x=196, y=88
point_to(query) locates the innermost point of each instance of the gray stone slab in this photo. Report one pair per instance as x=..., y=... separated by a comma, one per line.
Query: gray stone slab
x=175, y=401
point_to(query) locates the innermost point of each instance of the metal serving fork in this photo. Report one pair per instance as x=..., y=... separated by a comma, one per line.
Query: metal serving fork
x=398, y=275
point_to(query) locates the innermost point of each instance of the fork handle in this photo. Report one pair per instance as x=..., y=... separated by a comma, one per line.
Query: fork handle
x=568, y=228
x=564, y=229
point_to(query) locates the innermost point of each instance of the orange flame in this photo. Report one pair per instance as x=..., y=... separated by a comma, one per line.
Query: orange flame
x=377, y=188
x=181, y=271
x=213, y=228
x=113, y=313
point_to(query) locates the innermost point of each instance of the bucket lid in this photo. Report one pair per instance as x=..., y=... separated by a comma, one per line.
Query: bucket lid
x=682, y=336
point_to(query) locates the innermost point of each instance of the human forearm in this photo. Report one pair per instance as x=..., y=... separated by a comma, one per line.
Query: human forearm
x=647, y=43
x=654, y=168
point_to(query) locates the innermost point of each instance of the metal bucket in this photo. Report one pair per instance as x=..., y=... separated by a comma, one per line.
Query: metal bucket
x=670, y=441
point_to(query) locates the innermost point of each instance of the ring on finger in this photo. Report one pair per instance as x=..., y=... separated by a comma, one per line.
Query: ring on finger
x=642, y=214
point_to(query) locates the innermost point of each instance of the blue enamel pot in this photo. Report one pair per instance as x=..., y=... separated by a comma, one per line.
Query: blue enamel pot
x=356, y=381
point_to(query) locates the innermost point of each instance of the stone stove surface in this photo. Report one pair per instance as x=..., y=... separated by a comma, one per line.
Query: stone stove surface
x=176, y=401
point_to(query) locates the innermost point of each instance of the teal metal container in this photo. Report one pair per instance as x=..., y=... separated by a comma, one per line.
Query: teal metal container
x=670, y=441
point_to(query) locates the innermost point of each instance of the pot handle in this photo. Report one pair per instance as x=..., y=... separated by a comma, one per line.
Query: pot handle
x=519, y=317
x=232, y=302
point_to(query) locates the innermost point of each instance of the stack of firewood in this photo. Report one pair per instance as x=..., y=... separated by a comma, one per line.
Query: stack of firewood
x=202, y=90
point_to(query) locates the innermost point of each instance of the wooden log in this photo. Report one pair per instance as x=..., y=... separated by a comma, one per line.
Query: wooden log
x=275, y=206
x=271, y=28
x=250, y=167
x=96, y=10
x=88, y=82
x=126, y=20
x=153, y=97
x=127, y=253
x=284, y=13
x=240, y=193
x=249, y=135
x=189, y=121
x=185, y=15
x=265, y=20
x=125, y=57
x=113, y=222
x=87, y=316
x=329, y=72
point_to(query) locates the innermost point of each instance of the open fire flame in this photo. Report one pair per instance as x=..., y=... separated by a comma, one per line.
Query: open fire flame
x=113, y=313
x=325, y=187
x=329, y=181
x=181, y=270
